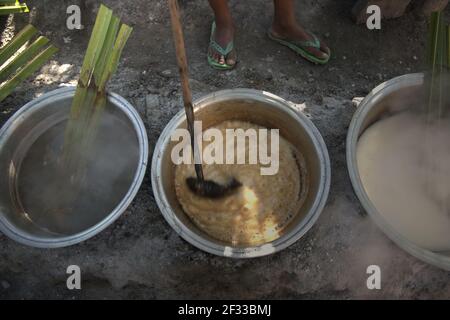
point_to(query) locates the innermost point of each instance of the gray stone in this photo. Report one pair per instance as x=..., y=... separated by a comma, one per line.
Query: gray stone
x=152, y=101
x=166, y=73
x=5, y=284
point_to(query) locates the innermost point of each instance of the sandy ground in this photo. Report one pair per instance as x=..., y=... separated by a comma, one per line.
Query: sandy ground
x=140, y=256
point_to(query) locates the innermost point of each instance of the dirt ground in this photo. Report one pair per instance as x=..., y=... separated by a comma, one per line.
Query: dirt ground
x=140, y=256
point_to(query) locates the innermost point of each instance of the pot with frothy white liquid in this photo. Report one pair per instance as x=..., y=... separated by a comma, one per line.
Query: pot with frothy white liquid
x=388, y=100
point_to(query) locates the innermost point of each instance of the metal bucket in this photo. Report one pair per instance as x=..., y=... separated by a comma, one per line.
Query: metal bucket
x=387, y=99
x=260, y=108
x=39, y=127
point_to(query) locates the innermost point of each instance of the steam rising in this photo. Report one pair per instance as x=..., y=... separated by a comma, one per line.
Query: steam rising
x=59, y=203
x=404, y=164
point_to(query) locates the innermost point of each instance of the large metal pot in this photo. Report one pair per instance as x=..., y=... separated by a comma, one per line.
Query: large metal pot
x=391, y=97
x=38, y=126
x=260, y=108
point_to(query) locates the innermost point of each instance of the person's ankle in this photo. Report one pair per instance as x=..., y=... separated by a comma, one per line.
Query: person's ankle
x=286, y=28
x=281, y=25
x=224, y=24
x=225, y=29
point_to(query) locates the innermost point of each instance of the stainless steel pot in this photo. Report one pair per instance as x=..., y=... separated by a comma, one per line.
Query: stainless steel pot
x=35, y=128
x=391, y=97
x=260, y=108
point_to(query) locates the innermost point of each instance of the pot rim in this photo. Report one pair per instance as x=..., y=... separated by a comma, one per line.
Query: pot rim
x=253, y=251
x=363, y=109
x=61, y=93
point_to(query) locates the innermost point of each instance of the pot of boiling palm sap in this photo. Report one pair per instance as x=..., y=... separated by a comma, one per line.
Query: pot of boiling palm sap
x=392, y=148
x=245, y=108
x=35, y=208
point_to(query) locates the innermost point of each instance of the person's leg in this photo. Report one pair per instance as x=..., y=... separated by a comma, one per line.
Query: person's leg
x=285, y=26
x=224, y=31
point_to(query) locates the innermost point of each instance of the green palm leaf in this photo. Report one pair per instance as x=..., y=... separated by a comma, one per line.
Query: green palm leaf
x=12, y=6
x=102, y=57
x=17, y=66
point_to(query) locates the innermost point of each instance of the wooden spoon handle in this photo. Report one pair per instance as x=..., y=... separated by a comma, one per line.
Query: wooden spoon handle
x=187, y=95
x=180, y=50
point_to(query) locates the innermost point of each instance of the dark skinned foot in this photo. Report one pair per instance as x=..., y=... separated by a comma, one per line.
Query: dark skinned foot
x=223, y=35
x=294, y=32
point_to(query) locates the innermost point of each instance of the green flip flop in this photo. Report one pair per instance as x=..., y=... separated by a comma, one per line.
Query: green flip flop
x=300, y=47
x=223, y=51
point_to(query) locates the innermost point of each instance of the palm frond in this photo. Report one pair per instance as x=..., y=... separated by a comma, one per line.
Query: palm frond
x=12, y=6
x=16, y=65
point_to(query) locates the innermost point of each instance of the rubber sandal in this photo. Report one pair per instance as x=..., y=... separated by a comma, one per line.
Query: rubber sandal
x=218, y=48
x=300, y=47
